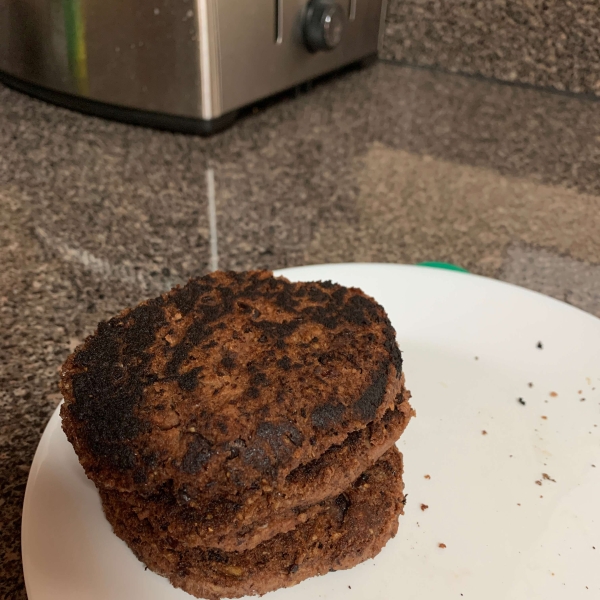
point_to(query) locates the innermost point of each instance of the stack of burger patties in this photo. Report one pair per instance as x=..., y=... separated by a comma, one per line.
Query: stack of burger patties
x=241, y=430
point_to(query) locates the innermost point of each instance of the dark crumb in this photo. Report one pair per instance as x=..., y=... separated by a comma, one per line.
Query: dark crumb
x=427, y=476
x=424, y=507
x=441, y=545
x=404, y=499
x=521, y=401
x=547, y=477
x=539, y=345
x=538, y=482
x=530, y=384
x=518, y=504
x=477, y=358
x=594, y=466
x=581, y=399
x=484, y=432
x=553, y=394
x=349, y=588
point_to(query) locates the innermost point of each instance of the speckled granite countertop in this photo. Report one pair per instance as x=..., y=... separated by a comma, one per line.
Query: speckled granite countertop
x=388, y=164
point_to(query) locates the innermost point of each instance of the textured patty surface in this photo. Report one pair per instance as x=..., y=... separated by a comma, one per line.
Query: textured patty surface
x=228, y=383
x=352, y=528
x=257, y=516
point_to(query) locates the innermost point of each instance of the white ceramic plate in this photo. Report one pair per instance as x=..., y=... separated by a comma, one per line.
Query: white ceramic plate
x=470, y=346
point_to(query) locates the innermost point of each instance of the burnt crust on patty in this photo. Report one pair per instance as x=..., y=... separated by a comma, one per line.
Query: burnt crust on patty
x=257, y=515
x=354, y=527
x=230, y=381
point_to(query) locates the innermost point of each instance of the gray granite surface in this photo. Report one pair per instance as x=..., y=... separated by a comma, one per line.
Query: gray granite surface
x=388, y=164
x=550, y=43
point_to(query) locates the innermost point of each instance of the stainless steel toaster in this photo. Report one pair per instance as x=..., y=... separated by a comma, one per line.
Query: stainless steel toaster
x=186, y=65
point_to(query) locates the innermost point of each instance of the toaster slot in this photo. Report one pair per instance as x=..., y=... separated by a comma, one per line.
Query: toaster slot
x=278, y=21
x=352, y=11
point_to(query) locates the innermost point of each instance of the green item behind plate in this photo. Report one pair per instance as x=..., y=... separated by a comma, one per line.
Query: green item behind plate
x=443, y=265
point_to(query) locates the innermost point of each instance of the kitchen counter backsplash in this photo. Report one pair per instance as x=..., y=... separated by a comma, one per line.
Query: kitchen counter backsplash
x=552, y=44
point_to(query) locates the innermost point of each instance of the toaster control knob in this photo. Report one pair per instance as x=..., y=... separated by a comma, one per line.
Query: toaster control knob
x=323, y=25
